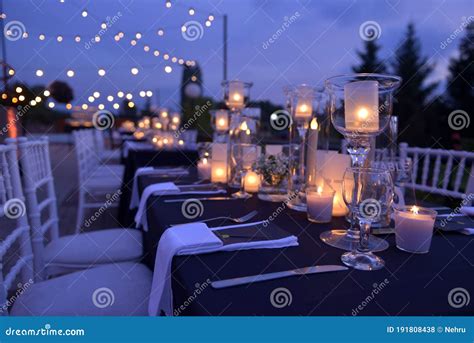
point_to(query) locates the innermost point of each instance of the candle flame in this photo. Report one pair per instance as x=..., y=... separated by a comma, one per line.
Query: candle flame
x=204, y=161
x=181, y=142
x=176, y=120
x=320, y=189
x=236, y=97
x=244, y=126
x=303, y=108
x=221, y=122
x=164, y=114
x=219, y=172
x=314, y=124
x=415, y=209
x=363, y=113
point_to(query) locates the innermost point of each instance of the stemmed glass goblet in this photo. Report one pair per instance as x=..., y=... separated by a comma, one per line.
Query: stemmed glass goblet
x=368, y=192
x=243, y=156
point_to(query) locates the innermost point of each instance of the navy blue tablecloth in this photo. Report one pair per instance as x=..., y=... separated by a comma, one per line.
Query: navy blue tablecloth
x=409, y=285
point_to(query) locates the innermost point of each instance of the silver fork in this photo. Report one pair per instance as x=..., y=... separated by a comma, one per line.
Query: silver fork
x=242, y=219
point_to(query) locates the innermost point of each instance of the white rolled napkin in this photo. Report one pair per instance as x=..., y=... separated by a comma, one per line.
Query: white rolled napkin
x=135, y=199
x=193, y=239
x=163, y=188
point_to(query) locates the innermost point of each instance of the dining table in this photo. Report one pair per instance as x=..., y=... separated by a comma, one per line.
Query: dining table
x=149, y=157
x=408, y=285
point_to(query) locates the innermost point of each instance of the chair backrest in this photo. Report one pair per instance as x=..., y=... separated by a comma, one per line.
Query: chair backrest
x=88, y=158
x=40, y=195
x=445, y=172
x=99, y=141
x=12, y=208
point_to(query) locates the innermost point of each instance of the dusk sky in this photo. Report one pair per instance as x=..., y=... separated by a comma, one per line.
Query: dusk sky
x=319, y=40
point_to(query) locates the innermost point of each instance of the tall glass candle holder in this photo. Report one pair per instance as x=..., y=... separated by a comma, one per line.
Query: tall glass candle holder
x=360, y=108
x=220, y=122
x=302, y=102
x=236, y=97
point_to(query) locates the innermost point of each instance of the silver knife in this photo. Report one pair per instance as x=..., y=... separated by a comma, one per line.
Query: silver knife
x=202, y=199
x=277, y=275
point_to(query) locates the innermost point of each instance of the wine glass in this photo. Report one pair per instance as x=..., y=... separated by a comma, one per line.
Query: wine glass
x=368, y=192
x=243, y=157
x=360, y=108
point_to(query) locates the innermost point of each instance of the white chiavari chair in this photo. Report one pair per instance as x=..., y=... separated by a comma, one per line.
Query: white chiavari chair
x=105, y=155
x=120, y=289
x=73, y=252
x=446, y=172
x=95, y=179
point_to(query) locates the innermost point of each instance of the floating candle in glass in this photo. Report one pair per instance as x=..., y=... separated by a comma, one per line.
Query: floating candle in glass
x=361, y=106
x=219, y=171
x=414, y=228
x=236, y=94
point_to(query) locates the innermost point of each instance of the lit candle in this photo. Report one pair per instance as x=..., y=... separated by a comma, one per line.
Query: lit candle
x=222, y=121
x=312, y=146
x=218, y=171
x=251, y=182
x=339, y=208
x=361, y=106
x=236, y=94
x=304, y=109
x=204, y=169
x=414, y=228
x=319, y=204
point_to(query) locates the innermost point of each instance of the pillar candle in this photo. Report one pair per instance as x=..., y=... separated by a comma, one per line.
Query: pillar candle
x=219, y=171
x=222, y=121
x=251, y=182
x=361, y=106
x=311, y=151
x=236, y=94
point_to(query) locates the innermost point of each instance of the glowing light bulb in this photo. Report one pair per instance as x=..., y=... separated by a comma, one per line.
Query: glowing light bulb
x=51, y=104
x=168, y=69
x=41, y=37
x=59, y=38
x=19, y=89
x=101, y=72
x=84, y=13
x=96, y=94
x=70, y=73
x=415, y=209
x=39, y=73
x=46, y=93
x=314, y=124
x=110, y=98
x=134, y=71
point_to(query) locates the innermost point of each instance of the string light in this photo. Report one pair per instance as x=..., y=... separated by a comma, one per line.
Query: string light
x=156, y=53
x=120, y=94
x=133, y=42
x=166, y=57
x=14, y=100
x=146, y=48
x=21, y=97
x=39, y=73
x=208, y=23
x=91, y=98
x=138, y=35
x=85, y=106
x=33, y=103
x=117, y=38
x=103, y=26
x=116, y=106
x=59, y=38
x=11, y=72
x=134, y=71
x=97, y=39
x=19, y=89
x=101, y=106
x=46, y=93
x=70, y=73
x=191, y=11
x=174, y=59
x=110, y=98
x=131, y=104
x=101, y=72
x=38, y=99
x=84, y=13
x=41, y=37
x=121, y=34
x=149, y=94
x=4, y=96
x=96, y=94
x=168, y=69
x=160, y=32
x=77, y=38
x=211, y=17
x=25, y=35
x=68, y=106
x=168, y=4
x=129, y=96
x=142, y=94
x=51, y=104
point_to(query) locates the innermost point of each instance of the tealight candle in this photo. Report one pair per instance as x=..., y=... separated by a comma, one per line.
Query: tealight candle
x=236, y=94
x=219, y=171
x=251, y=182
x=204, y=169
x=414, y=228
x=361, y=106
x=319, y=204
x=222, y=121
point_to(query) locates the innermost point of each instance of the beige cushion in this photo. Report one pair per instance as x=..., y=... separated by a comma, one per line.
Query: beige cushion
x=120, y=289
x=97, y=247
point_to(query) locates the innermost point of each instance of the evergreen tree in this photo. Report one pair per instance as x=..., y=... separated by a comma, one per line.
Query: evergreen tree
x=369, y=62
x=461, y=80
x=414, y=93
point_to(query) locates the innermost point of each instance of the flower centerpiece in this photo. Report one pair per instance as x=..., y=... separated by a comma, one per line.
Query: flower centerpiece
x=273, y=170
